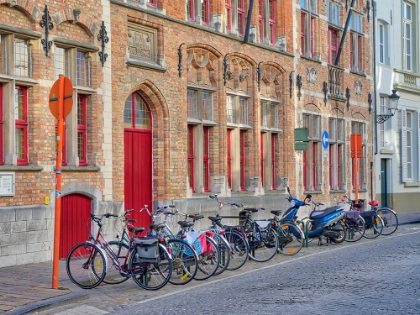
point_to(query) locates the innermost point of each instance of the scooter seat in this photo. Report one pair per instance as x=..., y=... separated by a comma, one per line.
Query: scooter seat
x=322, y=213
x=276, y=212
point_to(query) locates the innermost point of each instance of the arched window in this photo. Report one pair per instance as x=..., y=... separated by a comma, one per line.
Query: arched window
x=136, y=113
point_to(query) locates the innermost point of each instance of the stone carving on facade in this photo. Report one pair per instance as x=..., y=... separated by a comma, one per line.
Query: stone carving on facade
x=142, y=43
x=200, y=69
x=358, y=88
x=272, y=82
x=311, y=75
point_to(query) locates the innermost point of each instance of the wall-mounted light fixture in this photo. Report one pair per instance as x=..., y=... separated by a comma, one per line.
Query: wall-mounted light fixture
x=392, y=108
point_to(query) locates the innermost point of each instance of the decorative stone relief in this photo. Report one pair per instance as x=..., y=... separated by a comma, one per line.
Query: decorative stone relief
x=358, y=87
x=142, y=42
x=311, y=75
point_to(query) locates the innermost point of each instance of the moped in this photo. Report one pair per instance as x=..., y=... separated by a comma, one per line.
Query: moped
x=325, y=223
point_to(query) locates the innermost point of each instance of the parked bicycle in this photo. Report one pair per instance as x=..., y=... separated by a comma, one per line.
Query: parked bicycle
x=388, y=216
x=261, y=237
x=238, y=244
x=185, y=259
x=373, y=222
x=354, y=223
x=147, y=261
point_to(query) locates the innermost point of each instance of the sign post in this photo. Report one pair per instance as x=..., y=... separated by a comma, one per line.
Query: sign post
x=356, y=153
x=61, y=102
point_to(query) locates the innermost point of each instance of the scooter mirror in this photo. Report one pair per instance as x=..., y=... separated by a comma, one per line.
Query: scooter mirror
x=309, y=196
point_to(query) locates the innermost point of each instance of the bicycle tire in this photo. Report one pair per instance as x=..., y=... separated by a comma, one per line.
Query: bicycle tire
x=185, y=262
x=238, y=249
x=390, y=219
x=208, y=262
x=355, y=230
x=374, y=229
x=264, y=246
x=224, y=253
x=151, y=276
x=113, y=274
x=86, y=265
x=290, y=239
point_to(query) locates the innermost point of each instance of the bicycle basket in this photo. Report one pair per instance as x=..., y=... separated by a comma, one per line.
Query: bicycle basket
x=147, y=249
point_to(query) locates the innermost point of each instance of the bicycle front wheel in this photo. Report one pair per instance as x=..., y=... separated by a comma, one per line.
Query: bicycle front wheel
x=290, y=239
x=238, y=249
x=355, y=229
x=390, y=219
x=185, y=262
x=86, y=265
x=263, y=245
x=148, y=275
x=224, y=253
x=208, y=261
x=113, y=274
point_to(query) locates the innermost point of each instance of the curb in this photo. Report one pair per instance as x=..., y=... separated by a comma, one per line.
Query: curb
x=48, y=302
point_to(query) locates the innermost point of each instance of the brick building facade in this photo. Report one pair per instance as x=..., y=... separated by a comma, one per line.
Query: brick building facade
x=176, y=100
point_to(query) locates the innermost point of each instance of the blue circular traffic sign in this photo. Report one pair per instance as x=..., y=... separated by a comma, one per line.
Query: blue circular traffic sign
x=325, y=140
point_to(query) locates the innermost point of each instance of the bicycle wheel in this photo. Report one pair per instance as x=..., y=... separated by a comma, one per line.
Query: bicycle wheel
x=373, y=226
x=238, y=249
x=208, y=261
x=113, y=274
x=148, y=275
x=263, y=245
x=390, y=219
x=86, y=265
x=355, y=229
x=184, y=262
x=224, y=253
x=290, y=239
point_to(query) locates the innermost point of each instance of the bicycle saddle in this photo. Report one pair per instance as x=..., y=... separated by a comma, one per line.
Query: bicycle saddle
x=276, y=212
x=136, y=230
x=253, y=209
x=185, y=224
x=215, y=219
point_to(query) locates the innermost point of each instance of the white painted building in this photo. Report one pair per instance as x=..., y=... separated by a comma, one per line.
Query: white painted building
x=397, y=141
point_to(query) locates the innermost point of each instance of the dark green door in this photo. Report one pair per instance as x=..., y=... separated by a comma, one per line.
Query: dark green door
x=384, y=183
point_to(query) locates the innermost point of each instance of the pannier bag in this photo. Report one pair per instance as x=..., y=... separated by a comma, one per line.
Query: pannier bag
x=147, y=249
x=351, y=217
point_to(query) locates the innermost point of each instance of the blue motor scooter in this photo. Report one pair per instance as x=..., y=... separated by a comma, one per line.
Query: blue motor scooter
x=321, y=223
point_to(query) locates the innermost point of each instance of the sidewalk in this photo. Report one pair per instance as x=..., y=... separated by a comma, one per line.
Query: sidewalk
x=26, y=288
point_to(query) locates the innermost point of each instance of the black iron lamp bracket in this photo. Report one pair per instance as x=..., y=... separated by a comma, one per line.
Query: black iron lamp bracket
x=46, y=22
x=103, y=37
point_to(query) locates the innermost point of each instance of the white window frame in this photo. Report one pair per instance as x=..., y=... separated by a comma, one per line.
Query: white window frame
x=410, y=145
x=408, y=39
x=383, y=50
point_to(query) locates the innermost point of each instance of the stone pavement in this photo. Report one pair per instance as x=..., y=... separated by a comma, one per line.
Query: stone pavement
x=27, y=288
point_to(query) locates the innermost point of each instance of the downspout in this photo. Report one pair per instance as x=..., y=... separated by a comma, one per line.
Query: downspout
x=375, y=124
x=248, y=21
x=343, y=37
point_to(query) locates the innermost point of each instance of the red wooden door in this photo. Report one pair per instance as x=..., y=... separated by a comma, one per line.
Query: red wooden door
x=75, y=221
x=138, y=159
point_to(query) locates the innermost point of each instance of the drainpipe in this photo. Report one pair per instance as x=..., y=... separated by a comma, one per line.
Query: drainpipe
x=340, y=48
x=248, y=21
x=375, y=124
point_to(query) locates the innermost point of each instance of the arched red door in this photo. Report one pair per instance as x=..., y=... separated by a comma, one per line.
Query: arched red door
x=137, y=158
x=75, y=223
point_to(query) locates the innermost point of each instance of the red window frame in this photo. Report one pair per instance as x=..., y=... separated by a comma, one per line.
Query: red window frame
x=241, y=17
x=339, y=148
x=22, y=124
x=190, y=156
x=261, y=20
x=1, y=125
x=191, y=9
x=332, y=45
x=273, y=162
x=271, y=21
x=314, y=166
x=359, y=52
x=242, y=158
x=205, y=12
x=262, y=162
x=81, y=129
x=229, y=158
x=206, y=160
x=152, y=3
x=330, y=165
x=229, y=15
x=302, y=32
x=351, y=51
